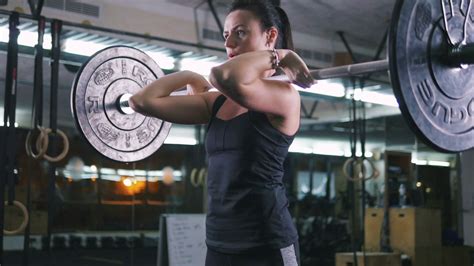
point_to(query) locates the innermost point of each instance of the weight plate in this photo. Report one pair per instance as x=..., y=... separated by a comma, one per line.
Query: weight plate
x=435, y=98
x=98, y=85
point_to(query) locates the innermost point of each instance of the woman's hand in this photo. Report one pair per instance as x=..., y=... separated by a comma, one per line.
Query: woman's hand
x=296, y=69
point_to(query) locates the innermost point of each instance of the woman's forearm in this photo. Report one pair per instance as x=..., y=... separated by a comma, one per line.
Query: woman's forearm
x=165, y=85
x=161, y=87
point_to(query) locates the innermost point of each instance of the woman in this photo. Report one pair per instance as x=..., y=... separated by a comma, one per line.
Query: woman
x=251, y=124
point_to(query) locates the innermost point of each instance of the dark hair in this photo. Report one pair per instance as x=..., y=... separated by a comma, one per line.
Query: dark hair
x=270, y=16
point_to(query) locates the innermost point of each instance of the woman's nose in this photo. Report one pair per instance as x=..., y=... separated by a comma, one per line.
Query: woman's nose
x=230, y=41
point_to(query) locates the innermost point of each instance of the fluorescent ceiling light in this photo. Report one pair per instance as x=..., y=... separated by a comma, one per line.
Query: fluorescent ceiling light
x=125, y=172
x=324, y=87
x=107, y=171
x=200, y=66
x=180, y=140
x=115, y=178
x=374, y=97
x=419, y=162
x=164, y=61
x=30, y=39
x=323, y=147
x=334, y=89
x=81, y=47
x=300, y=149
x=8, y=124
x=439, y=163
x=26, y=38
x=431, y=163
x=4, y=37
x=348, y=153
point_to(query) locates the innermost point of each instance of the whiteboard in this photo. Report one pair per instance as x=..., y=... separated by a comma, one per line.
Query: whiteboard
x=183, y=237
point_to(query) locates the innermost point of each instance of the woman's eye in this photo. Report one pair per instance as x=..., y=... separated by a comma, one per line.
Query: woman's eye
x=241, y=33
x=226, y=36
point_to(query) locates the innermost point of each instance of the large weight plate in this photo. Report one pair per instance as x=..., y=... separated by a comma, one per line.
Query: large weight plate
x=436, y=99
x=106, y=76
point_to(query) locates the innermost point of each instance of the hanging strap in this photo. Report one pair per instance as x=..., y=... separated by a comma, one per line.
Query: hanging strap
x=8, y=133
x=351, y=185
x=56, y=26
x=10, y=114
x=36, y=120
x=37, y=114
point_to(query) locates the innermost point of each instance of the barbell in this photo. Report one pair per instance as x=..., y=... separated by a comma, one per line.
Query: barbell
x=430, y=52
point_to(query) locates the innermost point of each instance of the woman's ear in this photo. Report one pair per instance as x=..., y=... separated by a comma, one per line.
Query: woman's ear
x=272, y=36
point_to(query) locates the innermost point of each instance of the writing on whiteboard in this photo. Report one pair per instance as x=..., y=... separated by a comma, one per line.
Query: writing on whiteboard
x=186, y=239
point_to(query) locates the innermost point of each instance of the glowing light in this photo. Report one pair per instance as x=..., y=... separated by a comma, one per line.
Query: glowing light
x=299, y=149
x=324, y=87
x=200, y=66
x=374, y=97
x=181, y=140
x=164, y=61
x=26, y=38
x=128, y=182
x=419, y=162
x=8, y=124
x=439, y=163
x=418, y=184
x=168, y=175
x=82, y=47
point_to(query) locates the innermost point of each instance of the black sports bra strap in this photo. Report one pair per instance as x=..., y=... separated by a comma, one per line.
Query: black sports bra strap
x=217, y=104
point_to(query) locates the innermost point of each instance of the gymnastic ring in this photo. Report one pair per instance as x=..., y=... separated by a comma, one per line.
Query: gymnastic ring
x=202, y=176
x=25, y=220
x=42, y=139
x=65, y=146
x=192, y=178
x=359, y=161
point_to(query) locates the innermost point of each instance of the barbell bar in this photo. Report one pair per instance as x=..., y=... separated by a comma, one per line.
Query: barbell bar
x=459, y=56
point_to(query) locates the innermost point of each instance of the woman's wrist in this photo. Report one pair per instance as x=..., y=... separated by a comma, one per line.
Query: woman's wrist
x=275, y=59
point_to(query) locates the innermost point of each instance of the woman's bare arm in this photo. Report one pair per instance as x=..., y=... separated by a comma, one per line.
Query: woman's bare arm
x=242, y=79
x=155, y=100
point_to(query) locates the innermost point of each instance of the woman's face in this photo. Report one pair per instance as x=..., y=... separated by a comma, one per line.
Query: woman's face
x=243, y=33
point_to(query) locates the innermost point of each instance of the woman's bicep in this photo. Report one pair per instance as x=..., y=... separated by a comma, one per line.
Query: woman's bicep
x=270, y=96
